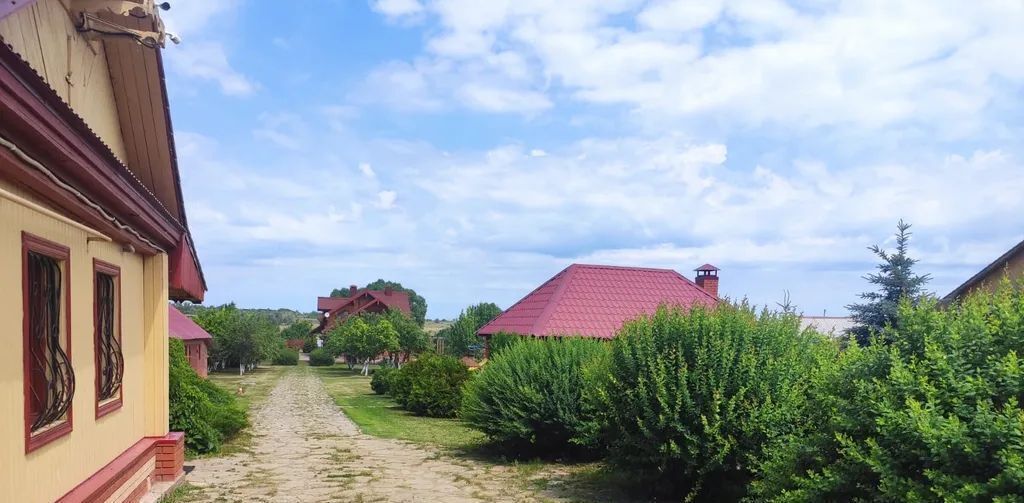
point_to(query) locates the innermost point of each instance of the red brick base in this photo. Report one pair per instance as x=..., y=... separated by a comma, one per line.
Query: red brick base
x=170, y=457
x=169, y=452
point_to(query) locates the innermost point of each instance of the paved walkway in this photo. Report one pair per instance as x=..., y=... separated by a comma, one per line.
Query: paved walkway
x=306, y=450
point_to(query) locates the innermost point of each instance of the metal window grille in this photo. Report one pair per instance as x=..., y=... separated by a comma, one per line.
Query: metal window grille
x=52, y=378
x=110, y=360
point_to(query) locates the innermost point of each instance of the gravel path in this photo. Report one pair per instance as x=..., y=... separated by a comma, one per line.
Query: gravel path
x=307, y=450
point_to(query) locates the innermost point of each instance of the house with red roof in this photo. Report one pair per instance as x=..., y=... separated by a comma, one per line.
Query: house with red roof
x=595, y=300
x=335, y=309
x=197, y=341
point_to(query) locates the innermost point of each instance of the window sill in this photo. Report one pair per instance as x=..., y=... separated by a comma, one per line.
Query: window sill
x=37, y=440
x=107, y=407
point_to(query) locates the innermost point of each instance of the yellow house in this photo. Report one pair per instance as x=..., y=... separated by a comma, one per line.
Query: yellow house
x=93, y=243
x=1009, y=265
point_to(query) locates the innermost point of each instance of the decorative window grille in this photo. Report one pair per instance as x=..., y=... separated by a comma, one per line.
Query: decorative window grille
x=51, y=378
x=109, y=359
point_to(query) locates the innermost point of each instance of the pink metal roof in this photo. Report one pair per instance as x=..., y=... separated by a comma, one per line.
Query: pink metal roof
x=595, y=300
x=182, y=327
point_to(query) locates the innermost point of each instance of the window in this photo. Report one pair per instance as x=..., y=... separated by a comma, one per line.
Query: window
x=107, y=321
x=49, y=379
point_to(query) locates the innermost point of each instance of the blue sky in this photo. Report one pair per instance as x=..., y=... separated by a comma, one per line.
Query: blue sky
x=470, y=150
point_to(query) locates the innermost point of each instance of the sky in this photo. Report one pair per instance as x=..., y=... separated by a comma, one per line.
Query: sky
x=471, y=150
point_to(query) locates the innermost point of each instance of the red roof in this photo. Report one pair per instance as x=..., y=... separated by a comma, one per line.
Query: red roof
x=595, y=300
x=394, y=300
x=182, y=327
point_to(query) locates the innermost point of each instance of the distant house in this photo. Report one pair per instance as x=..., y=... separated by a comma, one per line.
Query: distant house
x=835, y=326
x=197, y=341
x=335, y=309
x=595, y=300
x=1009, y=264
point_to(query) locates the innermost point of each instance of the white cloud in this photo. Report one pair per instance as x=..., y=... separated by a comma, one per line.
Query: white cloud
x=397, y=8
x=386, y=199
x=208, y=61
x=285, y=130
x=753, y=62
x=366, y=170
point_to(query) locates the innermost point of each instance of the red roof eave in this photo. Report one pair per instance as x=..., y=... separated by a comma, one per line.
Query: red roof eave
x=185, y=280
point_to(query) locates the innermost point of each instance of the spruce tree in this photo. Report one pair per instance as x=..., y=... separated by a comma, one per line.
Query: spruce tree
x=895, y=280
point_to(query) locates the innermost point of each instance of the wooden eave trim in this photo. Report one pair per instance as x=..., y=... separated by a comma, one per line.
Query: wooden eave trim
x=35, y=117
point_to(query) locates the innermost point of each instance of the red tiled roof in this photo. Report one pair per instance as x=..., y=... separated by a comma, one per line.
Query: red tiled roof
x=395, y=300
x=182, y=327
x=595, y=300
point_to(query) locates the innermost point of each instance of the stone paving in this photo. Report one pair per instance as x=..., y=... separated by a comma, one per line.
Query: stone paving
x=305, y=449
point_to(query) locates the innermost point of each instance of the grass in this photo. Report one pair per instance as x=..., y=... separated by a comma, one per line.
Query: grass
x=380, y=416
x=255, y=386
x=183, y=493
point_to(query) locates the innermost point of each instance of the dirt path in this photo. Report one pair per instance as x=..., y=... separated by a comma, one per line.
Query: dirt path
x=306, y=450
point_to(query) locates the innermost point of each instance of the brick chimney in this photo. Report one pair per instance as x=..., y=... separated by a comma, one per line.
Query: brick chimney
x=352, y=290
x=388, y=290
x=707, y=278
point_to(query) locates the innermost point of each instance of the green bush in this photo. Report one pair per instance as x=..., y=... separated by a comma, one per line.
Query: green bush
x=207, y=414
x=538, y=395
x=382, y=378
x=502, y=340
x=431, y=385
x=286, y=356
x=320, y=358
x=694, y=396
x=935, y=415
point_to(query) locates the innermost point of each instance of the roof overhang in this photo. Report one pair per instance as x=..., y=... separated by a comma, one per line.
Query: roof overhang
x=52, y=153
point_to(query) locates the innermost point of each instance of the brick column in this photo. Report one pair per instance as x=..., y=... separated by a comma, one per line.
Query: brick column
x=170, y=457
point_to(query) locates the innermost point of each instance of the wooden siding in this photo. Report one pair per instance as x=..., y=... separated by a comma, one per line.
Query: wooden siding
x=44, y=36
x=49, y=472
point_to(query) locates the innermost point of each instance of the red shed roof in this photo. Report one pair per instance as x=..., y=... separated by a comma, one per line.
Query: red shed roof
x=182, y=327
x=595, y=300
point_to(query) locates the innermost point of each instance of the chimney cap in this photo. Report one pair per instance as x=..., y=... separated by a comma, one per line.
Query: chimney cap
x=707, y=268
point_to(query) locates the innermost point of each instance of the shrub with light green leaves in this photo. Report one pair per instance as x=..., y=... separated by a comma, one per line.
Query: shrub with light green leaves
x=935, y=415
x=537, y=396
x=694, y=396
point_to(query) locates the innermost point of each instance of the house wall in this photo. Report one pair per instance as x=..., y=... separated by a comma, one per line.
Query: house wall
x=1014, y=268
x=197, y=356
x=44, y=36
x=52, y=470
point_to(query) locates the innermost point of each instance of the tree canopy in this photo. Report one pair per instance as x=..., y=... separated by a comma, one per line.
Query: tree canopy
x=363, y=340
x=895, y=280
x=240, y=338
x=417, y=304
x=460, y=338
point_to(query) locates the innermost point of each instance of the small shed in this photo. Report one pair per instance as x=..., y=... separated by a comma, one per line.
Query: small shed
x=197, y=341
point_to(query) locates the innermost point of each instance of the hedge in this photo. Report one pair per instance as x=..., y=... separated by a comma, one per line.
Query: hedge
x=206, y=413
x=431, y=385
x=538, y=395
x=382, y=379
x=935, y=415
x=320, y=358
x=694, y=397
x=286, y=356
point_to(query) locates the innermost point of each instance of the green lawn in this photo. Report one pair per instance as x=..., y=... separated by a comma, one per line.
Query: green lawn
x=380, y=416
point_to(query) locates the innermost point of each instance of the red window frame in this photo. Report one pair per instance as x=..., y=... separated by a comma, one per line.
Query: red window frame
x=56, y=251
x=101, y=267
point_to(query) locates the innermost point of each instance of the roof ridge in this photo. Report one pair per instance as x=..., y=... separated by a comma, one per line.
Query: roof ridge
x=527, y=296
x=556, y=296
x=622, y=267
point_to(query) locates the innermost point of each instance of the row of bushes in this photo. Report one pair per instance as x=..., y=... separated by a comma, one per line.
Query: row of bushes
x=430, y=385
x=206, y=413
x=728, y=403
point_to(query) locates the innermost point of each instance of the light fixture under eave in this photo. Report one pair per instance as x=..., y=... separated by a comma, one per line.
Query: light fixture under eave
x=121, y=18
